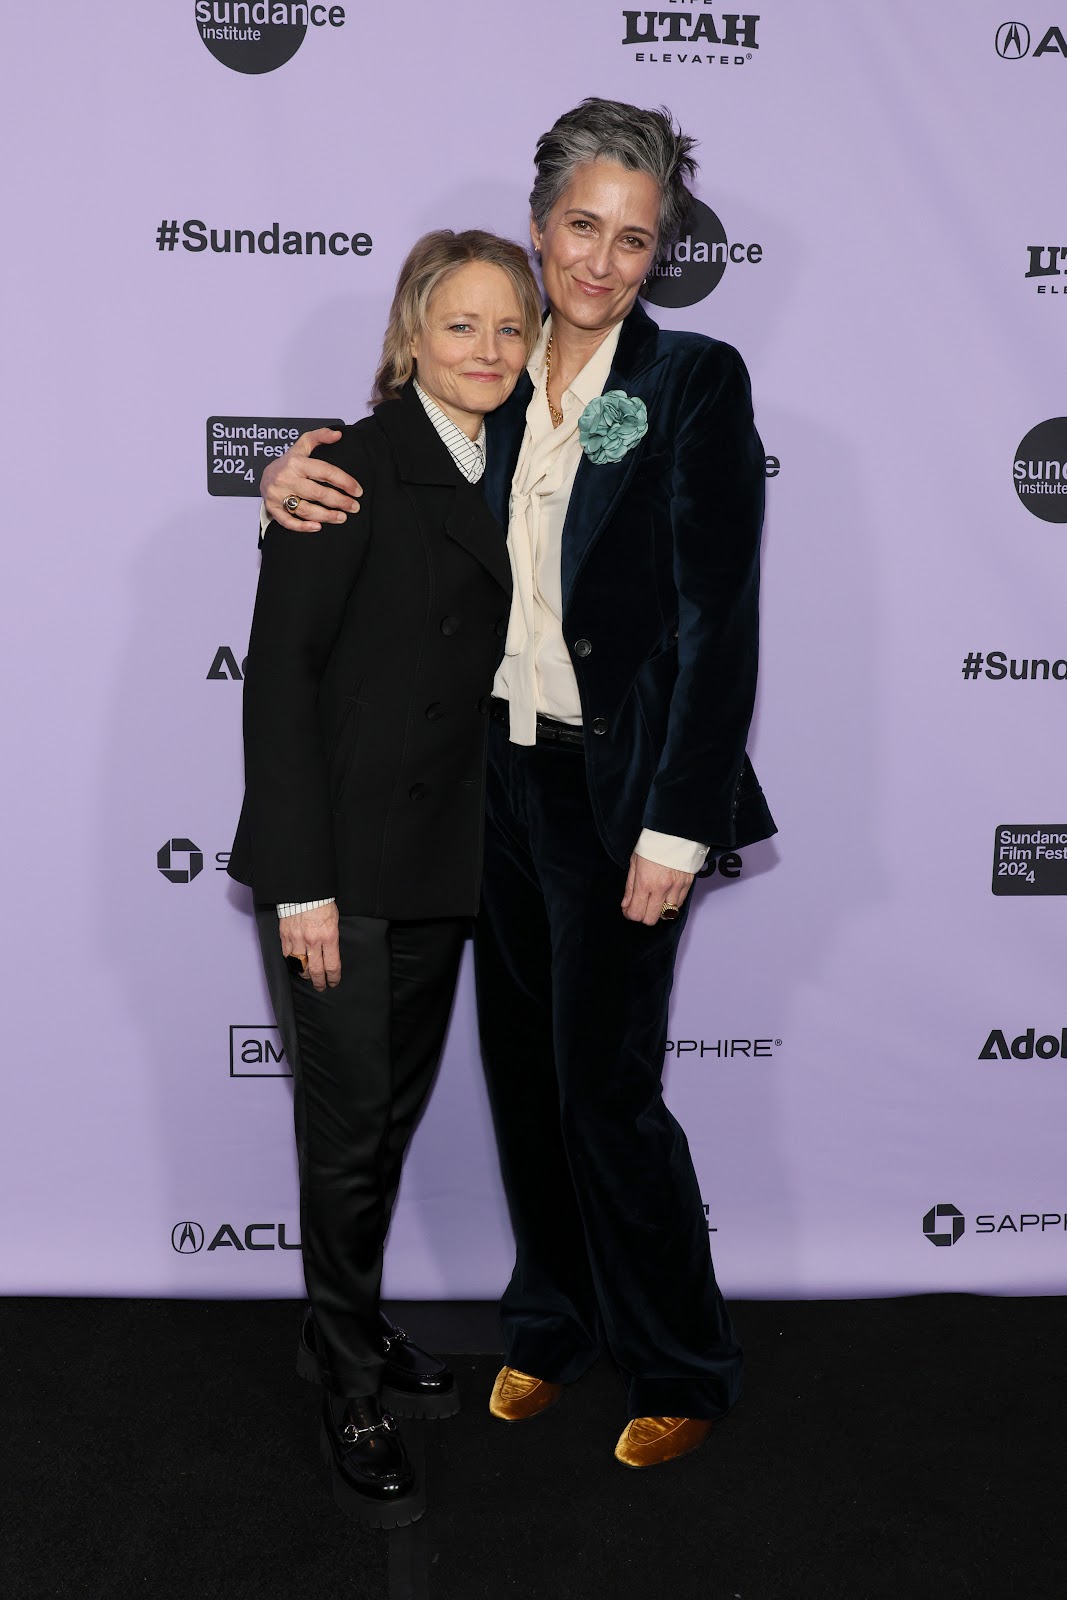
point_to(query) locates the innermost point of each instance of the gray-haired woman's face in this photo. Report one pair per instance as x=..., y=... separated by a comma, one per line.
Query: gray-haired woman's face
x=598, y=244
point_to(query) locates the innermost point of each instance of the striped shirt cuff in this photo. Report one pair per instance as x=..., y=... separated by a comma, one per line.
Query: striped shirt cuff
x=293, y=908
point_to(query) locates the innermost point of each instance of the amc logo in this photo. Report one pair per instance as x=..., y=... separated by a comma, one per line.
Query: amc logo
x=257, y=1052
x=187, y=1238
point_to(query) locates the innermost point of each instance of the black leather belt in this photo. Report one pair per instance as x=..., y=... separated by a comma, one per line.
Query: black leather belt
x=549, y=729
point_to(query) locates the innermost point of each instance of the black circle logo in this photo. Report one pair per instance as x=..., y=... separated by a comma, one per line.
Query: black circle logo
x=187, y=1238
x=166, y=854
x=932, y=1231
x=694, y=265
x=252, y=35
x=1040, y=470
x=1013, y=41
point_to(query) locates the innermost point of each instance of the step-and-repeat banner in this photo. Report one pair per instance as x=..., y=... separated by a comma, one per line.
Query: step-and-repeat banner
x=207, y=206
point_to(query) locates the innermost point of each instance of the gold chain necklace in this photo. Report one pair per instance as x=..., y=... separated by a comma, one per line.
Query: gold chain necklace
x=557, y=416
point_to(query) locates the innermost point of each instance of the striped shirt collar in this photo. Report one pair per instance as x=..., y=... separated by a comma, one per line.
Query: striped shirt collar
x=468, y=454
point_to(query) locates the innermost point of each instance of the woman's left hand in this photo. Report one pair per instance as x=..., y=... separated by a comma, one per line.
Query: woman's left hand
x=650, y=887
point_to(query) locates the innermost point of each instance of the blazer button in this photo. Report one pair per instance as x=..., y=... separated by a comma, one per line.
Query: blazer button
x=501, y=627
x=483, y=705
x=416, y=791
x=600, y=724
x=449, y=626
x=433, y=711
x=582, y=647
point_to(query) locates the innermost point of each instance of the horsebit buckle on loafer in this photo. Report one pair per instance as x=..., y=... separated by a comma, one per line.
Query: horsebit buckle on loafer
x=399, y=1337
x=352, y=1435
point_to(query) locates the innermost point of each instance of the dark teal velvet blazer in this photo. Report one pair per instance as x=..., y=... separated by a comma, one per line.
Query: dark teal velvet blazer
x=661, y=582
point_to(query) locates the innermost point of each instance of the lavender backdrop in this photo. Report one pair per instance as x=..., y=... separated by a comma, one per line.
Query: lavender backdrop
x=900, y=170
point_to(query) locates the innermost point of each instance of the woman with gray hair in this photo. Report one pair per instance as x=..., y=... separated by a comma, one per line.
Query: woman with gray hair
x=628, y=470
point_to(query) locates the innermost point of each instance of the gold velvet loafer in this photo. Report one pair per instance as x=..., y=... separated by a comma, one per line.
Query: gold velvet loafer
x=650, y=1441
x=516, y=1395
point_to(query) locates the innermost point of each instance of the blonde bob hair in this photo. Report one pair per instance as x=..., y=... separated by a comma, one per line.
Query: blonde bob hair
x=431, y=260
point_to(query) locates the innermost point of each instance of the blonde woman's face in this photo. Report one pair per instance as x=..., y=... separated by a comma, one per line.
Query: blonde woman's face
x=469, y=355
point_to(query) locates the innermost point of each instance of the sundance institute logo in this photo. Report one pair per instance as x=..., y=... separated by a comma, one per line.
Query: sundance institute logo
x=260, y=35
x=934, y=1229
x=694, y=266
x=1040, y=470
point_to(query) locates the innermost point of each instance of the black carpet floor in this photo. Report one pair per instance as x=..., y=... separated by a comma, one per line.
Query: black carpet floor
x=905, y=1449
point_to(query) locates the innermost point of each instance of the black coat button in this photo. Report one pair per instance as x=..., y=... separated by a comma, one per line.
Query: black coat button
x=501, y=627
x=416, y=791
x=582, y=647
x=483, y=705
x=449, y=626
x=600, y=724
x=433, y=711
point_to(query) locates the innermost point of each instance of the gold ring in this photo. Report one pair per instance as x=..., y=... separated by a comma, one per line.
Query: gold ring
x=670, y=913
x=290, y=504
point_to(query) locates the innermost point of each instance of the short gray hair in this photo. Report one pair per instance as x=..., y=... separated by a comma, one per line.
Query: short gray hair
x=611, y=130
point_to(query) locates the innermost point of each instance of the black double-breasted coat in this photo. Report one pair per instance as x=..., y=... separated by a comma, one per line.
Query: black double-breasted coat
x=366, y=695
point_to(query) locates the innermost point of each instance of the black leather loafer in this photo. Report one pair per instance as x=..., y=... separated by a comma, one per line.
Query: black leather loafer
x=371, y=1475
x=414, y=1383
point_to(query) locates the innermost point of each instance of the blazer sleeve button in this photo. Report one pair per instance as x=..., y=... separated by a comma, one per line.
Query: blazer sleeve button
x=416, y=791
x=582, y=647
x=433, y=711
x=600, y=724
x=449, y=626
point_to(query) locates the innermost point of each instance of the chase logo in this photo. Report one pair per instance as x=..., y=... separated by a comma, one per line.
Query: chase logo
x=1013, y=40
x=169, y=860
x=938, y=1235
x=187, y=1238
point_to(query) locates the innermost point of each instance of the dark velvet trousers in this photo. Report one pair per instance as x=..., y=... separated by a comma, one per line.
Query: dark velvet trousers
x=610, y=1231
x=363, y=1057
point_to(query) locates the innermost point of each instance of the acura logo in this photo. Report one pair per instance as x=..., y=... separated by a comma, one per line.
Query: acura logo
x=187, y=1238
x=1013, y=40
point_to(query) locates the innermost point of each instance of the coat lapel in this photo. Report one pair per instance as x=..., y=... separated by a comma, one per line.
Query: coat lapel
x=472, y=524
x=423, y=459
x=598, y=489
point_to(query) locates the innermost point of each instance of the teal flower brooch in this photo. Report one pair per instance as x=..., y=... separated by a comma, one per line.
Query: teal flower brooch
x=611, y=425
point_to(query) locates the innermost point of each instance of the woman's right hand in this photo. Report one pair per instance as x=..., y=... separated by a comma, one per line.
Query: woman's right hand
x=314, y=935
x=325, y=493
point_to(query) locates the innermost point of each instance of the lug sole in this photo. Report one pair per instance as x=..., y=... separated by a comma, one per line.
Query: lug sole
x=421, y=1407
x=401, y=1402
x=374, y=1513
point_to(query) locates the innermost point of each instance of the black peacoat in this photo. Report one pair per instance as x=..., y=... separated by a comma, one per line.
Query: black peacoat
x=366, y=693
x=660, y=561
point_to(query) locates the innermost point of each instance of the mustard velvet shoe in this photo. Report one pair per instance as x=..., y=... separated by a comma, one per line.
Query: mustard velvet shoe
x=517, y=1396
x=650, y=1441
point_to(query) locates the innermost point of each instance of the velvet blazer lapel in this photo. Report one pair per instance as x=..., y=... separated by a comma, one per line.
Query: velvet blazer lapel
x=639, y=370
x=504, y=429
x=423, y=458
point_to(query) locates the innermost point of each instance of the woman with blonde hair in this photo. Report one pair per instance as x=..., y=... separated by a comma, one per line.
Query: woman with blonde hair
x=367, y=688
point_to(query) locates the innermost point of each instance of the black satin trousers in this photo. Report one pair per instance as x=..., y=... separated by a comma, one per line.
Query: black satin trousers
x=363, y=1057
x=610, y=1231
